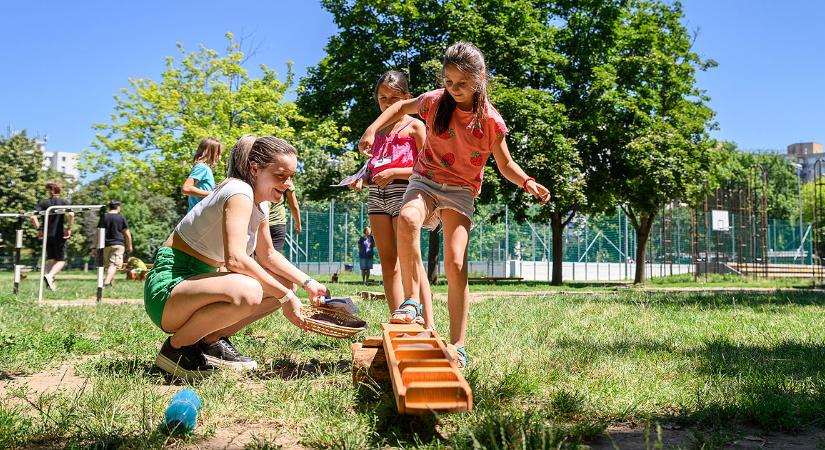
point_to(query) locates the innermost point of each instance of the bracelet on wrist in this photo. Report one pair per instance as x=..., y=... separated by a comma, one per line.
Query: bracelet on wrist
x=524, y=185
x=288, y=297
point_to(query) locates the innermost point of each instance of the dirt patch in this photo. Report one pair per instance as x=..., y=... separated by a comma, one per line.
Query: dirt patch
x=631, y=437
x=240, y=434
x=63, y=378
x=93, y=302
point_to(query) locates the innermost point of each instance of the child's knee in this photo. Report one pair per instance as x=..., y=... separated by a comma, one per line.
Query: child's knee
x=455, y=267
x=410, y=220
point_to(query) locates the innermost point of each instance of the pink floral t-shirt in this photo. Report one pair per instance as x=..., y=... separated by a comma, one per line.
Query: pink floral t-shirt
x=457, y=156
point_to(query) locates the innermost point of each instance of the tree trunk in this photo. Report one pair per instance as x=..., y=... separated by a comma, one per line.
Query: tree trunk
x=642, y=236
x=432, y=254
x=557, y=227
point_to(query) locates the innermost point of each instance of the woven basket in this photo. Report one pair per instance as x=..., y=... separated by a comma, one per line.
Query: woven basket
x=336, y=330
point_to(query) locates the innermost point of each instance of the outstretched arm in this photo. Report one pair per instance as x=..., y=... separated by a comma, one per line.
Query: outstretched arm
x=390, y=115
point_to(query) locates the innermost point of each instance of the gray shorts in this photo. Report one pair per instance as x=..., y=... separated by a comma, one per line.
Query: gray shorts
x=444, y=196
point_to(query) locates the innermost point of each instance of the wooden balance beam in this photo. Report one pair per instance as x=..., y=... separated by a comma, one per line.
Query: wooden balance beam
x=424, y=376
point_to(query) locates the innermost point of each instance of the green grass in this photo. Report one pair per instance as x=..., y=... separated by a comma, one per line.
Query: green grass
x=546, y=371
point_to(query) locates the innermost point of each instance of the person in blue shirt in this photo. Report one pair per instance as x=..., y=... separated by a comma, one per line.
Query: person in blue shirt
x=201, y=181
x=366, y=252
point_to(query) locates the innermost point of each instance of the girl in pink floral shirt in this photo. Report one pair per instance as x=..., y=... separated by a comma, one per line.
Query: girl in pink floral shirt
x=463, y=130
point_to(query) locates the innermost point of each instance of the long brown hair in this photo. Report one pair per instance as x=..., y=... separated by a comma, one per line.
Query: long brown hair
x=467, y=58
x=209, y=151
x=262, y=151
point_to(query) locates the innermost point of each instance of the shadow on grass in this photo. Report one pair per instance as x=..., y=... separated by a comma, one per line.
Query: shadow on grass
x=392, y=428
x=778, y=387
x=724, y=300
x=134, y=367
x=287, y=369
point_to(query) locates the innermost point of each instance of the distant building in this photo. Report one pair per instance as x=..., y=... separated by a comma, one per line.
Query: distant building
x=65, y=162
x=806, y=154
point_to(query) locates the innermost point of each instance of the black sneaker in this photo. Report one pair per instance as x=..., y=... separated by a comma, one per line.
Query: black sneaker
x=186, y=362
x=222, y=353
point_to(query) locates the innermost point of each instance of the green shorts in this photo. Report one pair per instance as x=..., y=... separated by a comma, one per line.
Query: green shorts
x=170, y=268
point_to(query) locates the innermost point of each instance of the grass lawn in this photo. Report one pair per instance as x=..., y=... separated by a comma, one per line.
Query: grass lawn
x=547, y=370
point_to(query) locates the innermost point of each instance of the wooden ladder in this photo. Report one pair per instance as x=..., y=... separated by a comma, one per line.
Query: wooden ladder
x=424, y=377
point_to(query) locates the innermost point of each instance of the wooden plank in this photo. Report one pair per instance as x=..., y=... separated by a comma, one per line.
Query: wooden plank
x=424, y=377
x=369, y=364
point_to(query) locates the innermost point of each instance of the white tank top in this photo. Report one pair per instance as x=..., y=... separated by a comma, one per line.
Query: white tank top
x=202, y=227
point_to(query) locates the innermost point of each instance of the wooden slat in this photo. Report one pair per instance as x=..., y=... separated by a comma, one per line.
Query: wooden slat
x=424, y=377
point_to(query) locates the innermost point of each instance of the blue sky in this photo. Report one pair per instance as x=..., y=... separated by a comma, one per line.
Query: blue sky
x=64, y=61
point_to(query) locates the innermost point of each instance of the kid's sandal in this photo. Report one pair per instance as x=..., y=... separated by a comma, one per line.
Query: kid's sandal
x=411, y=309
x=460, y=355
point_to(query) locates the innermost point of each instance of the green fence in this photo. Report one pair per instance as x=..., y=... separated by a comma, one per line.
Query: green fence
x=331, y=234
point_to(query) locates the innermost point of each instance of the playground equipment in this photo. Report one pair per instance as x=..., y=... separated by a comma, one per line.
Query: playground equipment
x=18, y=245
x=424, y=375
x=101, y=237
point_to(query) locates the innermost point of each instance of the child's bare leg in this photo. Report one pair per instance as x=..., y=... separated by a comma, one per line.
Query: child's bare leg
x=456, y=237
x=426, y=297
x=412, y=216
x=383, y=227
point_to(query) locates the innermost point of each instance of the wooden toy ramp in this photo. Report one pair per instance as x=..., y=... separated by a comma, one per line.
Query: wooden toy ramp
x=424, y=377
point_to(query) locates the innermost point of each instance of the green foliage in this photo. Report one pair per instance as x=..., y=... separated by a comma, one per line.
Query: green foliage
x=742, y=169
x=21, y=181
x=151, y=215
x=157, y=125
x=656, y=147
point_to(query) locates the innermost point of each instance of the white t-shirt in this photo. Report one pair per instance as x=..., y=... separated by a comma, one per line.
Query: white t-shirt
x=202, y=227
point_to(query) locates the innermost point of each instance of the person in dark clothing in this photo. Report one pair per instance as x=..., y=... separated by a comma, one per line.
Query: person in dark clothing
x=366, y=251
x=117, y=243
x=59, y=231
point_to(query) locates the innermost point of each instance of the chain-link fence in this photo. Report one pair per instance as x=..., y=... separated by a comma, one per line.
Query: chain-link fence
x=594, y=247
x=682, y=240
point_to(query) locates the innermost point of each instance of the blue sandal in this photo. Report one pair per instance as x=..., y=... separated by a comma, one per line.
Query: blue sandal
x=461, y=362
x=412, y=309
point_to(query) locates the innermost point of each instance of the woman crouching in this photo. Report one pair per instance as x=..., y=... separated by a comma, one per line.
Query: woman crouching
x=201, y=308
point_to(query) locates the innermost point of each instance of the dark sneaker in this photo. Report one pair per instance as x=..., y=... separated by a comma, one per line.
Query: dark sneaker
x=50, y=282
x=186, y=362
x=222, y=353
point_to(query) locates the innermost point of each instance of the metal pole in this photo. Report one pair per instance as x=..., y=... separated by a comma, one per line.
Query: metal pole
x=331, y=225
x=101, y=243
x=799, y=197
x=506, y=236
x=18, y=244
x=43, y=256
x=346, y=235
x=306, y=239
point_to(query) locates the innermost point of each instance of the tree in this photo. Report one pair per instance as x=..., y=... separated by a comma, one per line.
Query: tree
x=659, y=148
x=21, y=181
x=156, y=126
x=151, y=216
x=741, y=166
x=517, y=39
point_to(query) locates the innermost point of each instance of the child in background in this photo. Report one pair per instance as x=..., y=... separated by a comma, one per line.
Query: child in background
x=392, y=156
x=201, y=181
x=463, y=130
